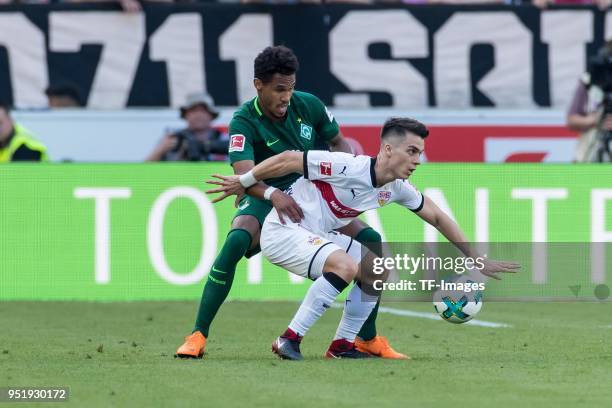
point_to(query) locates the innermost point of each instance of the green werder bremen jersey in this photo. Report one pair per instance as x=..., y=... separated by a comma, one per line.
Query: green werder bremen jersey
x=255, y=137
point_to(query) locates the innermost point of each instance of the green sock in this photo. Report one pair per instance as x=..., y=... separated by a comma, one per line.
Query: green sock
x=221, y=277
x=371, y=239
x=368, y=330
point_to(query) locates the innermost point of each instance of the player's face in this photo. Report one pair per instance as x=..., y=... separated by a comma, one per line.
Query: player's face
x=406, y=155
x=198, y=118
x=274, y=96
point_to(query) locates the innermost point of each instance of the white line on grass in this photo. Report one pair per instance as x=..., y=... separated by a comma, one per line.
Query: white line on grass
x=430, y=316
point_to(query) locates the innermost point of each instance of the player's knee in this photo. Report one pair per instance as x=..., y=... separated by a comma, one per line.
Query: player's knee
x=368, y=234
x=371, y=239
x=342, y=265
x=238, y=241
x=249, y=224
x=350, y=270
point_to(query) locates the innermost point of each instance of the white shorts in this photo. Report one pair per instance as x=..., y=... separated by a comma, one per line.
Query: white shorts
x=301, y=251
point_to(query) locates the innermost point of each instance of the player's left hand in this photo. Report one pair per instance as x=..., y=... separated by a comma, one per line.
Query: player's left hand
x=492, y=267
x=229, y=185
x=285, y=204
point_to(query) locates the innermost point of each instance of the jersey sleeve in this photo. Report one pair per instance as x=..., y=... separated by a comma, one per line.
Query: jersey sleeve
x=408, y=196
x=329, y=166
x=325, y=124
x=241, y=136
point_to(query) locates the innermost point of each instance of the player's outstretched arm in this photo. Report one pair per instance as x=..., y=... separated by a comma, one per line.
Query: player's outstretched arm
x=433, y=215
x=280, y=165
x=275, y=166
x=248, y=177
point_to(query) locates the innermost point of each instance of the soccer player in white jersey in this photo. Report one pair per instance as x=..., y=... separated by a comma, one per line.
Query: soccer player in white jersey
x=335, y=188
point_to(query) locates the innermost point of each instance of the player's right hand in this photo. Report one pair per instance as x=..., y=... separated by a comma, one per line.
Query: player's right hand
x=285, y=204
x=229, y=185
x=491, y=268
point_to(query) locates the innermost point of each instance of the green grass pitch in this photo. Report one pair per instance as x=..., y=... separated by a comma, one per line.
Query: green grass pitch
x=121, y=354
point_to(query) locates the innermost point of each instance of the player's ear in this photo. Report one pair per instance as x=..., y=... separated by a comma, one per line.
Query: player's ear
x=388, y=149
x=258, y=84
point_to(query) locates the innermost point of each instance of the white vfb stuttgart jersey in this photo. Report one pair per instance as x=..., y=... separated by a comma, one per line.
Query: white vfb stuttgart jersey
x=337, y=187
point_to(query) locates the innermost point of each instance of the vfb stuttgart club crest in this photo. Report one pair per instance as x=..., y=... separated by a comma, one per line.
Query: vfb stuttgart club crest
x=383, y=197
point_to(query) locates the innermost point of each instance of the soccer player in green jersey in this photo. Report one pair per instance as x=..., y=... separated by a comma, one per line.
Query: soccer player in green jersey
x=276, y=120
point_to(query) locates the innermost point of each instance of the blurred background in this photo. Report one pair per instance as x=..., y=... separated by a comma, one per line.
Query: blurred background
x=101, y=81
x=97, y=87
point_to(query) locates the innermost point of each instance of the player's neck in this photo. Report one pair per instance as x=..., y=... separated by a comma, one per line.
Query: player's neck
x=384, y=174
x=274, y=118
x=267, y=113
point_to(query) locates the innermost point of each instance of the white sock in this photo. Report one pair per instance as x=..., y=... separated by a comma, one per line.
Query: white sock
x=357, y=308
x=320, y=296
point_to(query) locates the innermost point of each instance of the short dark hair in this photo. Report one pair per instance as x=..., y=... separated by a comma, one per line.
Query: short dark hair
x=275, y=60
x=400, y=126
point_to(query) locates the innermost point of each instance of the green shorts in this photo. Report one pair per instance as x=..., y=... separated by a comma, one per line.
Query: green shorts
x=258, y=209
x=255, y=207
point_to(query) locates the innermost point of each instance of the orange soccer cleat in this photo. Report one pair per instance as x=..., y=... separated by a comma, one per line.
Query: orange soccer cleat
x=193, y=347
x=379, y=346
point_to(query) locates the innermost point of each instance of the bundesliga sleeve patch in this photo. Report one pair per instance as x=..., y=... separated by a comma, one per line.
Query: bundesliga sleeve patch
x=236, y=143
x=325, y=168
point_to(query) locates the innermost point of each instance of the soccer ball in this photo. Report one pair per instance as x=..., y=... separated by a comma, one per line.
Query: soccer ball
x=458, y=306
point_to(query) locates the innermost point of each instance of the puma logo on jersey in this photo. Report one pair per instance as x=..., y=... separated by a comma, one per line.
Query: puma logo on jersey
x=343, y=171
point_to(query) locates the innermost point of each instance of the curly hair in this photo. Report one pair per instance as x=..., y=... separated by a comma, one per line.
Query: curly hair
x=275, y=60
x=400, y=126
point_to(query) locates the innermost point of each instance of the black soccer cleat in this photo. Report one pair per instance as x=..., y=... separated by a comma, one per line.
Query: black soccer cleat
x=287, y=346
x=287, y=349
x=342, y=348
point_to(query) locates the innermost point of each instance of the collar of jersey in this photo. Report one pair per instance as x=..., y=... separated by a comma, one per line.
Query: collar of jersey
x=258, y=109
x=372, y=171
x=259, y=112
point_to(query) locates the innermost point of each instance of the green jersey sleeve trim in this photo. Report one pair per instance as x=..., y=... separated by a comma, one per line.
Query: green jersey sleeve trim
x=256, y=105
